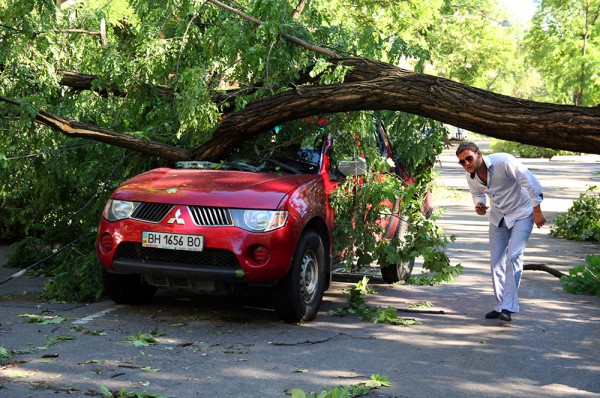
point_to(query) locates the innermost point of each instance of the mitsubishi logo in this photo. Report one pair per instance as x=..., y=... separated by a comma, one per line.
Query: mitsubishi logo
x=176, y=219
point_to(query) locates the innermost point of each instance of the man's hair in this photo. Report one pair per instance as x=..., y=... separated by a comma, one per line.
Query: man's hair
x=467, y=146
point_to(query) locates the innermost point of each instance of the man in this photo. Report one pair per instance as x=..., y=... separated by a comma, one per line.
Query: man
x=515, y=196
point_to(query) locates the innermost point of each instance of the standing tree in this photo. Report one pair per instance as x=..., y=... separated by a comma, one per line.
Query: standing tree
x=563, y=42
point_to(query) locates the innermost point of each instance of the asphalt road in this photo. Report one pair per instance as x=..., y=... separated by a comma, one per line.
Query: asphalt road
x=235, y=347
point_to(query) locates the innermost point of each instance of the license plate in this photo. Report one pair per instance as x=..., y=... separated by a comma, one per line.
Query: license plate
x=163, y=240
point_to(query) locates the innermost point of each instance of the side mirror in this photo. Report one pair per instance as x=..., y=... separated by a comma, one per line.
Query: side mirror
x=356, y=167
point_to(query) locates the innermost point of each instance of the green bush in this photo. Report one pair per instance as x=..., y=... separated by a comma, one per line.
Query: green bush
x=27, y=252
x=584, y=279
x=76, y=276
x=523, y=150
x=581, y=222
x=74, y=271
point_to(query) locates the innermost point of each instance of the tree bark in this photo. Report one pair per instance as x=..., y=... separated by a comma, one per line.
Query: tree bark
x=373, y=85
x=298, y=10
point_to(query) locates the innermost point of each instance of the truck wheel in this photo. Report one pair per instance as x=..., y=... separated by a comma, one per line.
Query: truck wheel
x=298, y=296
x=126, y=288
x=392, y=273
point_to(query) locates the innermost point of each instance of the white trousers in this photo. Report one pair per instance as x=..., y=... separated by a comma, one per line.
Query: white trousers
x=507, y=247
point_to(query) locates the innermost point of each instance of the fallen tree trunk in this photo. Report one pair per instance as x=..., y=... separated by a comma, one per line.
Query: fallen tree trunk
x=372, y=85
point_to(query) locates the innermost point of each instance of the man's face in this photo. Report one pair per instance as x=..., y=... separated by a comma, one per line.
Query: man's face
x=471, y=161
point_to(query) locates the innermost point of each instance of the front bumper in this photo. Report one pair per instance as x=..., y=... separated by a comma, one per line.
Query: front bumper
x=228, y=253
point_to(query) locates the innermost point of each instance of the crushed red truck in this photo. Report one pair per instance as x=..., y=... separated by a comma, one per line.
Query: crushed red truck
x=251, y=221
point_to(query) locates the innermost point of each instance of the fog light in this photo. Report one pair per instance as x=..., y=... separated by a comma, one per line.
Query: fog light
x=106, y=242
x=260, y=255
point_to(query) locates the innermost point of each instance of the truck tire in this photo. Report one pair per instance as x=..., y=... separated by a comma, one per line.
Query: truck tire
x=298, y=296
x=126, y=288
x=392, y=273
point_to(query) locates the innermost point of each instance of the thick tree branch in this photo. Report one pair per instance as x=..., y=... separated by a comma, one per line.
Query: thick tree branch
x=372, y=85
x=75, y=129
x=85, y=81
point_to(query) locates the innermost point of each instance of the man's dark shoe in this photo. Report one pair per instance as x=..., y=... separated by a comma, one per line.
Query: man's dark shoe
x=505, y=316
x=492, y=315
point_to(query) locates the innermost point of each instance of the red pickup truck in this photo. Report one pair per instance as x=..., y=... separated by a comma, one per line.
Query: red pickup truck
x=260, y=221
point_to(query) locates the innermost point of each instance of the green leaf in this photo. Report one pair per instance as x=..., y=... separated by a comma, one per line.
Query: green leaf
x=4, y=353
x=62, y=338
x=380, y=381
x=297, y=393
x=422, y=304
x=150, y=369
x=42, y=319
x=106, y=392
x=142, y=340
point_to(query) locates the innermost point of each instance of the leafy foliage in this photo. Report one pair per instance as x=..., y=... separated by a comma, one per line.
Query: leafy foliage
x=4, y=353
x=43, y=319
x=584, y=279
x=144, y=339
x=567, y=33
x=76, y=277
x=122, y=393
x=582, y=220
x=360, y=390
x=471, y=44
x=523, y=150
x=358, y=306
x=27, y=252
x=373, y=197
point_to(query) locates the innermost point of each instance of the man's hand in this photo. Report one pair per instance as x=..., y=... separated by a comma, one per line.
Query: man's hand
x=480, y=208
x=538, y=217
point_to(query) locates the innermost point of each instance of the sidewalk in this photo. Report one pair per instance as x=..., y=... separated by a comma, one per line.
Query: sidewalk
x=224, y=347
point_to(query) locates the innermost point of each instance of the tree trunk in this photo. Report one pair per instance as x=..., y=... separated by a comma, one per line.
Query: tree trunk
x=372, y=85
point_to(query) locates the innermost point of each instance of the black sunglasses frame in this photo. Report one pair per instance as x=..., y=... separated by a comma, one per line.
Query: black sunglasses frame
x=465, y=160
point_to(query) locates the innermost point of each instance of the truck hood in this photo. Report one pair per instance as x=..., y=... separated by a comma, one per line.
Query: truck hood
x=219, y=188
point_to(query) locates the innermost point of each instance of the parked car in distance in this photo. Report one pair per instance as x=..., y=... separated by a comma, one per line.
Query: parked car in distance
x=253, y=220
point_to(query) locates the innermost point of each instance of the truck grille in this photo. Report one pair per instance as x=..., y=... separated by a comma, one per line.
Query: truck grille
x=151, y=212
x=202, y=215
x=210, y=216
x=208, y=257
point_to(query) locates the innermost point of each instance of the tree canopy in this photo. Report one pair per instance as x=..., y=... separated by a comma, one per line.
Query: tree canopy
x=567, y=34
x=156, y=77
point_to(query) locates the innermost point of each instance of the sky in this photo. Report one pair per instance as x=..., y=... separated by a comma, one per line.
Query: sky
x=522, y=9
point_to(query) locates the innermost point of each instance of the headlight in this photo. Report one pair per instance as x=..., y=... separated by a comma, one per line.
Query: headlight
x=119, y=209
x=259, y=220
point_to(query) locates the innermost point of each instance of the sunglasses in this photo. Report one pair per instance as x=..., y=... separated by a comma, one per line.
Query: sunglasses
x=468, y=159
